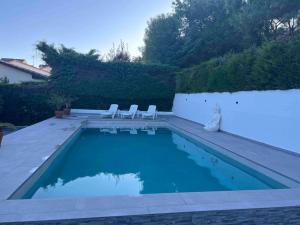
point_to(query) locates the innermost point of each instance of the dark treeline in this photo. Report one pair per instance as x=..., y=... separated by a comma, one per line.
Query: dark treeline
x=199, y=30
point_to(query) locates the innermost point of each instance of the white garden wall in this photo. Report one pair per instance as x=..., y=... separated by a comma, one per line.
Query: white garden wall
x=271, y=117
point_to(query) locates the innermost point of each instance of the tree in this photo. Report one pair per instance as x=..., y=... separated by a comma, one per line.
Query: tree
x=50, y=53
x=207, y=29
x=162, y=40
x=199, y=30
x=270, y=19
x=63, y=62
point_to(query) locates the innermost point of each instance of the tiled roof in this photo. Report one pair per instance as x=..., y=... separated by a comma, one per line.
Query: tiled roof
x=10, y=59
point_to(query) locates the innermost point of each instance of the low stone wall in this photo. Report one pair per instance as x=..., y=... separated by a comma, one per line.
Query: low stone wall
x=267, y=216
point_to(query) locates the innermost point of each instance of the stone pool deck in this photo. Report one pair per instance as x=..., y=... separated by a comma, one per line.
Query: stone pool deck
x=24, y=151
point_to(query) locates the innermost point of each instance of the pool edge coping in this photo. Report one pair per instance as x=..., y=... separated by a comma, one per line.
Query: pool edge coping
x=93, y=206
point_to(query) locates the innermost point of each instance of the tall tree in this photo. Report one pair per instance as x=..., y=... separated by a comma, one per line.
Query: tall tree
x=162, y=40
x=199, y=30
x=270, y=19
x=207, y=28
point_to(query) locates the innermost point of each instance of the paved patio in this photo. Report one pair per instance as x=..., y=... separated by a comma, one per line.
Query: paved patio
x=24, y=151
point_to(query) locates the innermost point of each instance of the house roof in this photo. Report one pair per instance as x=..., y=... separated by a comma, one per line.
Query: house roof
x=20, y=65
x=11, y=59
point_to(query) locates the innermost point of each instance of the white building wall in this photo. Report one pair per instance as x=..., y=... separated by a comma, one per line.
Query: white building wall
x=14, y=75
x=271, y=117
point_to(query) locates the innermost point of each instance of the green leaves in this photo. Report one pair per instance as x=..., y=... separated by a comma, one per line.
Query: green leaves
x=276, y=65
x=96, y=84
x=199, y=30
x=25, y=104
x=57, y=101
x=162, y=40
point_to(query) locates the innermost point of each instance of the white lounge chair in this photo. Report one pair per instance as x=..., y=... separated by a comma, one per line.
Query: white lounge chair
x=131, y=113
x=111, y=112
x=151, y=112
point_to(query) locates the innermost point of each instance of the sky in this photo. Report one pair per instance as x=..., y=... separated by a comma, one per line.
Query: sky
x=79, y=24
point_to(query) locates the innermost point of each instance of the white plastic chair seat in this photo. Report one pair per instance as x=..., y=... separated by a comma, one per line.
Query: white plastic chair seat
x=126, y=114
x=147, y=114
x=106, y=113
x=113, y=109
x=151, y=112
x=131, y=113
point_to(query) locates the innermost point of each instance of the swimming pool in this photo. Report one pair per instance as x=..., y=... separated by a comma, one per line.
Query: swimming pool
x=109, y=162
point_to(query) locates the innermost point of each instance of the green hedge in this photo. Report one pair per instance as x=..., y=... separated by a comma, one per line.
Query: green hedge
x=25, y=104
x=275, y=65
x=97, y=85
x=93, y=86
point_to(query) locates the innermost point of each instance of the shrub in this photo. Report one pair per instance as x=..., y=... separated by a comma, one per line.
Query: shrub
x=100, y=84
x=91, y=84
x=96, y=84
x=276, y=65
x=57, y=102
x=25, y=104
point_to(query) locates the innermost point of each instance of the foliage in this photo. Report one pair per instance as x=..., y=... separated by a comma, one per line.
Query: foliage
x=276, y=65
x=199, y=30
x=68, y=101
x=119, y=54
x=162, y=40
x=97, y=84
x=57, y=101
x=24, y=104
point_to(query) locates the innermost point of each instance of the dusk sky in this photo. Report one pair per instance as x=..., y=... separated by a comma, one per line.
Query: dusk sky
x=80, y=24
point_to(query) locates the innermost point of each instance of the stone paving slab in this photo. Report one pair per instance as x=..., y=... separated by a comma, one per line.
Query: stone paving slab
x=24, y=151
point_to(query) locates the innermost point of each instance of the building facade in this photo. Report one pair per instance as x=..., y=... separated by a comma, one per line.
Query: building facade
x=15, y=71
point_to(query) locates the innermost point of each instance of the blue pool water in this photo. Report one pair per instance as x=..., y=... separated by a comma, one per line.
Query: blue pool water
x=101, y=162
